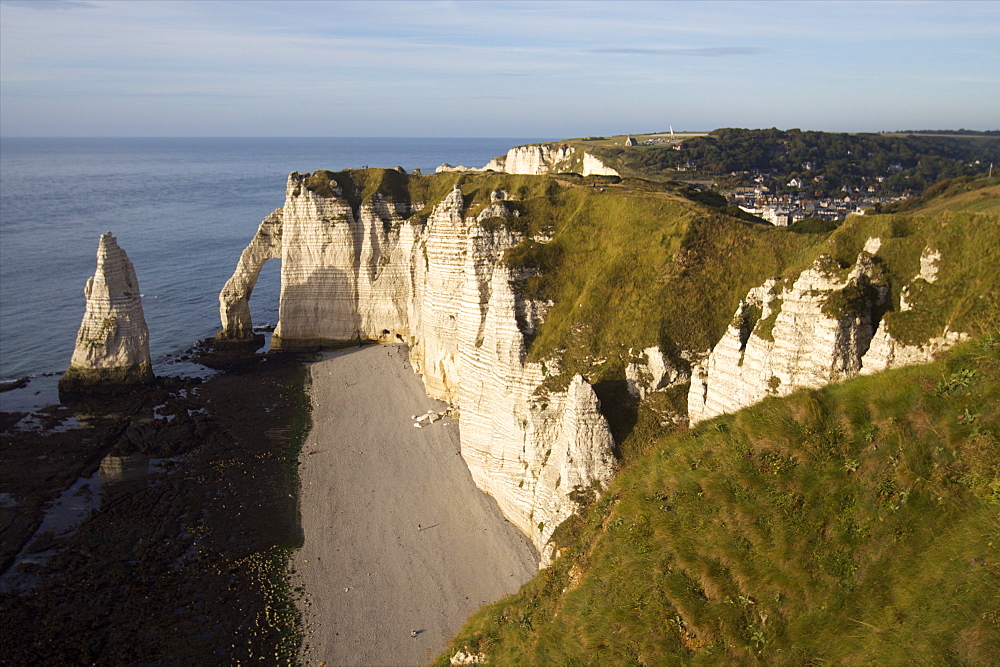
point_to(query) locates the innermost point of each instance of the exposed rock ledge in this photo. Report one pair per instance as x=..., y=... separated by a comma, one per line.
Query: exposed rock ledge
x=112, y=346
x=379, y=273
x=822, y=329
x=537, y=159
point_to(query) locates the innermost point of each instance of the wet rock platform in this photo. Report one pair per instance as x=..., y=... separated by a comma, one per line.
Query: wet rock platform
x=154, y=527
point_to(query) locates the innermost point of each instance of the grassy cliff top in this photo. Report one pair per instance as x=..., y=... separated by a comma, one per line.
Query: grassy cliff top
x=824, y=162
x=973, y=195
x=859, y=523
x=630, y=263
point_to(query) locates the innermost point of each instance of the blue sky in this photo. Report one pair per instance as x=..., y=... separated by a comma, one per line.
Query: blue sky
x=504, y=69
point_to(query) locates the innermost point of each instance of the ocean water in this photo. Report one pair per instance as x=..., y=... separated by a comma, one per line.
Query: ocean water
x=183, y=210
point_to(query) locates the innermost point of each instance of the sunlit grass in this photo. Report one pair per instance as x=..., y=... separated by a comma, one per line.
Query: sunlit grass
x=856, y=523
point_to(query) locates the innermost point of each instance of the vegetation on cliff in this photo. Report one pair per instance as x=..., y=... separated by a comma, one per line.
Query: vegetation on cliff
x=826, y=162
x=626, y=264
x=858, y=522
x=635, y=264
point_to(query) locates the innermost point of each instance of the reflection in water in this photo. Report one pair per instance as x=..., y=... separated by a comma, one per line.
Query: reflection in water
x=118, y=468
x=66, y=513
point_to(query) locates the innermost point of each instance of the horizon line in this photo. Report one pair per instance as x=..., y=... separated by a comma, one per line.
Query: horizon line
x=564, y=138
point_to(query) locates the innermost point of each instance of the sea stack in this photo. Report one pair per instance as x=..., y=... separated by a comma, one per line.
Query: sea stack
x=112, y=347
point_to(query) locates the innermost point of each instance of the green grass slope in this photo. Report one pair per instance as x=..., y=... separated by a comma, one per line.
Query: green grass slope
x=975, y=195
x=628, y=263
x=859, y=523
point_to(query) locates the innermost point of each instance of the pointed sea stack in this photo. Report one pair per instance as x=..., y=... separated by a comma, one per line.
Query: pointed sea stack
x=112, y=347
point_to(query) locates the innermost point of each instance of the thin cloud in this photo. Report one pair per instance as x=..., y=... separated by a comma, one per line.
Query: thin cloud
x=49, y=5
x=707, y=52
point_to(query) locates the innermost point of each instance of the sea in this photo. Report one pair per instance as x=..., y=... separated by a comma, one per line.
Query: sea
x=182, y=208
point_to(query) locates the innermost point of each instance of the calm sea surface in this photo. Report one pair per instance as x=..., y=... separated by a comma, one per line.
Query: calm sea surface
x=183, y=210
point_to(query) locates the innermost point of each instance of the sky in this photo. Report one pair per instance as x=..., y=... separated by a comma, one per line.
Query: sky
x=492, y=69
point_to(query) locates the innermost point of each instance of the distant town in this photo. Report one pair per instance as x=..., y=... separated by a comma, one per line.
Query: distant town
x=787, y=176
x=784, y=209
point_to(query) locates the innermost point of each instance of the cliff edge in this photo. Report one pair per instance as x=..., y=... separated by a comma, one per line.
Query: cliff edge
x=370, y=256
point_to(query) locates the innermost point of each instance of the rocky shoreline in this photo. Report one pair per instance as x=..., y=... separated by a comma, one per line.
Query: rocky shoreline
x=186, y=500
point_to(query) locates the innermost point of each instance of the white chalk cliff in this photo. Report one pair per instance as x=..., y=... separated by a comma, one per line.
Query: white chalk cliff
x=823, y=328
x=537, y=159
x=112, y=346
x=379, y=272
x=653, y=371
x=235, y=297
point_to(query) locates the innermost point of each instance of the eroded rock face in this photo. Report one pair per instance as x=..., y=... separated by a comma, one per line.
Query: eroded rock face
x=439, y=278
x=822, y=326
x=592, y=166
x=539, y=159
x=531, y=451
x=234, y=300
x=825, y=329
x=345, y=273
x=532, y=160
x=886, y=352
x=653, y=372
x=112, y=346
x=380, y=274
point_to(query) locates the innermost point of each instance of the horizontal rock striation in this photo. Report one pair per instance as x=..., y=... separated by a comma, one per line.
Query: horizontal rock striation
x=345, y=272
x=375, y=271
x=824, y=328
x=533, y=452
x=112, y=345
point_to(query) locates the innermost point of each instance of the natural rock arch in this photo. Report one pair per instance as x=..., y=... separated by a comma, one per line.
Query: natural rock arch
x=234, y=300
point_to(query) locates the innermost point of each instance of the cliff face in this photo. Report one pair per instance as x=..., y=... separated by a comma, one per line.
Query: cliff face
x=824, y=328
x=376, y=271
x=538, y=159
x=592, y=166
x=533, y=160
x=112, y=346
x=530, y=450
x=345, y=272
x=234, y=300
x=886, y=352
